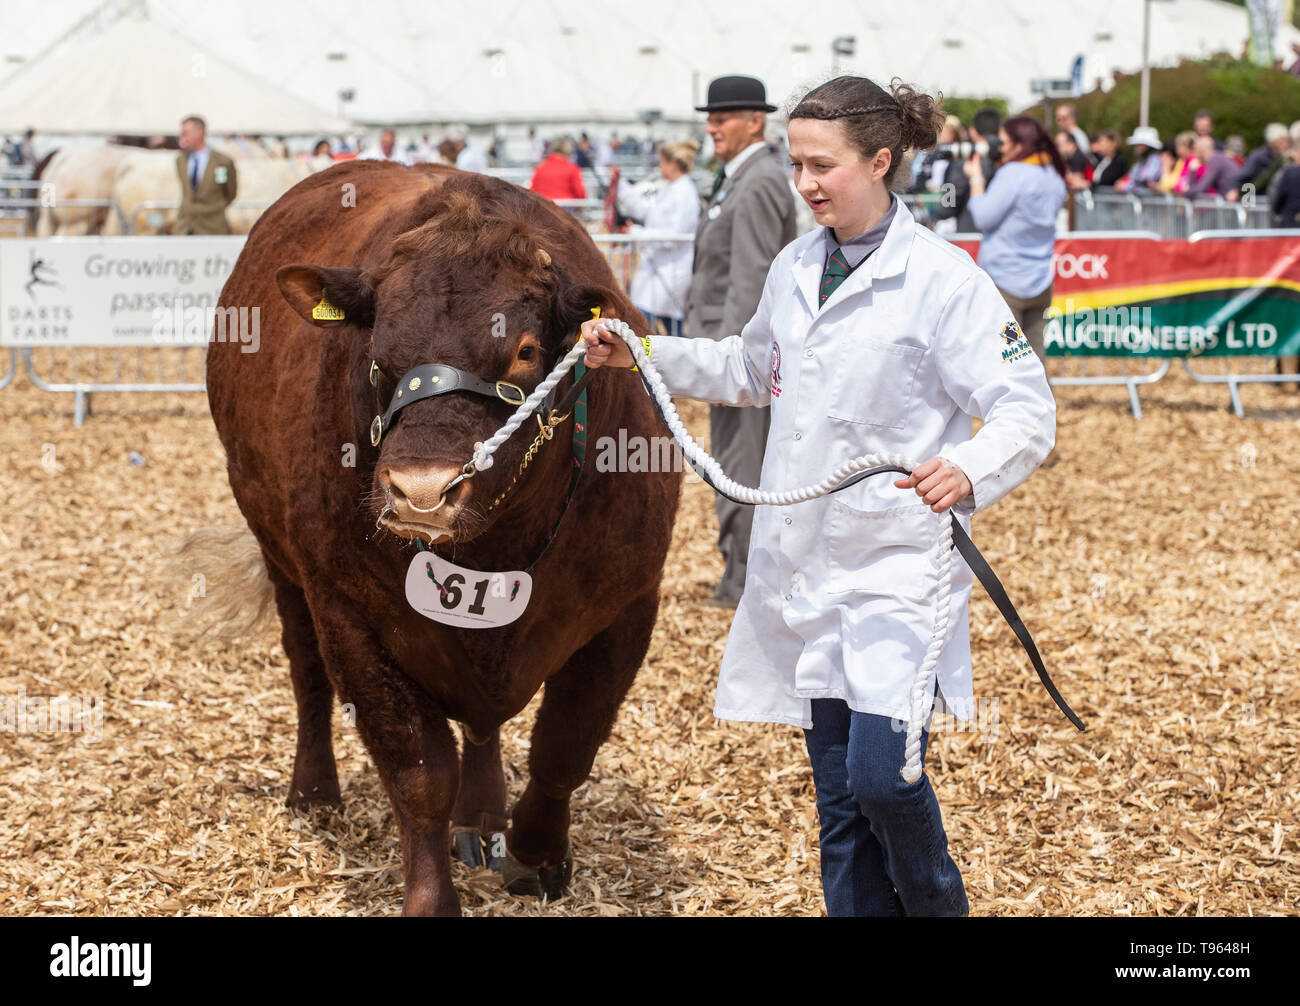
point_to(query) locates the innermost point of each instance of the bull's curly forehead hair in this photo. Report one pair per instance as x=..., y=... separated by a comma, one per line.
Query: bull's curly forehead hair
x=470, y=220
x=900, y=119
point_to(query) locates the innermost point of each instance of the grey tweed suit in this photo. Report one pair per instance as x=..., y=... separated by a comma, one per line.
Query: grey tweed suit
x=749, y=220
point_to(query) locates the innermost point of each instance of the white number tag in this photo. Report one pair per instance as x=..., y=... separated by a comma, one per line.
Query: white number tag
x=439, y=589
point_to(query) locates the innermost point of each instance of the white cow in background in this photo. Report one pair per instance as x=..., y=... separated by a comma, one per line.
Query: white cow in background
x=132, y=176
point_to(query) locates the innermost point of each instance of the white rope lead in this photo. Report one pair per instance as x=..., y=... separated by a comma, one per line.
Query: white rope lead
x=921, y=699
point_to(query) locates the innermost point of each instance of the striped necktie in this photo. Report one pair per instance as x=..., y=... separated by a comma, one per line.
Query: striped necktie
x=718, y=179
x=834, y=274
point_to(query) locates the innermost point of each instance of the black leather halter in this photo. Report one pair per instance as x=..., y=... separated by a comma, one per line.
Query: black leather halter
x=431, y=379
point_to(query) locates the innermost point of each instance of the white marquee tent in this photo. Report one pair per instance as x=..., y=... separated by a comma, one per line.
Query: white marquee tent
x=523, y=61
x=137, y=77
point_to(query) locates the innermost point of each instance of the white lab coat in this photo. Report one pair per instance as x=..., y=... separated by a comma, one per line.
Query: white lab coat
x=839, y=599
x=663, y=274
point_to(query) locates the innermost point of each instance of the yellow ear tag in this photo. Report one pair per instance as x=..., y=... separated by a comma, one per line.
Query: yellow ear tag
x=325, y=311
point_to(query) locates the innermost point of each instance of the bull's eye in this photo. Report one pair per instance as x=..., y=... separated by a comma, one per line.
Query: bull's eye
x=525, y=352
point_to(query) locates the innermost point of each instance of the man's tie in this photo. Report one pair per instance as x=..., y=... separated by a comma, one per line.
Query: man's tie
x=194, y=172
x=833, y=275
x=718, y=179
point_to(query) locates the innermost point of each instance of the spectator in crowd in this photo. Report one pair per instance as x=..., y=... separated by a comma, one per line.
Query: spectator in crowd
x=1285, y=202
x=1076, y=161
x=557, y=177
x=1112, y=165
x=1147, y=168
x=322, y=149
x=1066, y=121
x=1210, y=172
x=494, y=151
x=447, y=153
x=981, y=140
x=27, y=149
x=208, y=182
x=583, y=155
x=1203, y=125
x=750, y=217
x=1294, y=68
x=386, y=151
x=663, y=275
x=1176, y=170
x=1235, y=147
x=1017, y=217
x=1264, y=163
x=468, y=158
x=536, y=146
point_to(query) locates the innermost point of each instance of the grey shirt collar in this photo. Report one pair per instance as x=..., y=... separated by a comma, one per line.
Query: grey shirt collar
x=858, y=248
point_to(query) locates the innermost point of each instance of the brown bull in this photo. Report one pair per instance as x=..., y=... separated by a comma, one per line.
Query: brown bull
x=432, y=265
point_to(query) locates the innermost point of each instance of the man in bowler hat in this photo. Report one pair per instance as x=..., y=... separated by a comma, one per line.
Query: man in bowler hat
x=749, y=217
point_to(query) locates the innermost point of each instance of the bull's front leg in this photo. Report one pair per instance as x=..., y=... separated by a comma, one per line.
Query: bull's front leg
x=414, y=750
x=478, y=822
x=577, y=714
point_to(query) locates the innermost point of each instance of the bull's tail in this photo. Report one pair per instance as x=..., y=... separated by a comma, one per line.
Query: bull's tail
x=224, y=590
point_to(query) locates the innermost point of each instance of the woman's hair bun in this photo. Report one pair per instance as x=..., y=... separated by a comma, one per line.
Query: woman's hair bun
x=922, y=115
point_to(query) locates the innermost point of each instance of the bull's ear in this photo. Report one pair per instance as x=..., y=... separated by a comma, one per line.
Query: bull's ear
x=328, y=297
x=573, y=306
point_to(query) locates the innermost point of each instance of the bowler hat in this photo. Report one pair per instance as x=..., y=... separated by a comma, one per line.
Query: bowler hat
x=727, y=93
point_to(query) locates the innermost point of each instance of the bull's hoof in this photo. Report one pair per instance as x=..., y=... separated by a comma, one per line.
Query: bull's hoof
x=317, y=796
x=477, y=849
x=467, y=846
x=549, y=882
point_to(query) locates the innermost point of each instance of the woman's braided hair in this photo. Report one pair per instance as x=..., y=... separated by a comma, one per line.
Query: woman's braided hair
x=901, y=118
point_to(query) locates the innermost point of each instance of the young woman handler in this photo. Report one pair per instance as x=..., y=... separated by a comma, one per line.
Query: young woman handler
x=872, y=336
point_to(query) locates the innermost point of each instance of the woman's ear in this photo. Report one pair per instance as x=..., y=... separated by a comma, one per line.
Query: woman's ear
x=880, y=164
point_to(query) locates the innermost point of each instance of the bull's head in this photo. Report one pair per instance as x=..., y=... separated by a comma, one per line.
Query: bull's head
x=496, y=323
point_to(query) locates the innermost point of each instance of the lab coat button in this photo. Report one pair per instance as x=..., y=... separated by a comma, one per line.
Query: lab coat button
x=798, y=436
x=808, y=354
x=788, y=521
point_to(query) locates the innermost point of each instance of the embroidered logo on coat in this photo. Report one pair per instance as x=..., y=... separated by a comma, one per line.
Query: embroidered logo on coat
x=776, y=370
x=1016, y=340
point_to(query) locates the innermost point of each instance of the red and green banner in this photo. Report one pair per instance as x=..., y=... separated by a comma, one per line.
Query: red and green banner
x=1143, y=297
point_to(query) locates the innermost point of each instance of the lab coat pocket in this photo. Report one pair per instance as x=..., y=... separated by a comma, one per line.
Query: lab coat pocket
x=881, y=553
x=875, y=386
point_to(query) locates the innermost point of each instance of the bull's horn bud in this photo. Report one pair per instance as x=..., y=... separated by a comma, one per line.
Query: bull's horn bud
x=543, y=257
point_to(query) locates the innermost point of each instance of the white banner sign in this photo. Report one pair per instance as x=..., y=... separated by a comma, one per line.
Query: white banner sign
x=121, y=291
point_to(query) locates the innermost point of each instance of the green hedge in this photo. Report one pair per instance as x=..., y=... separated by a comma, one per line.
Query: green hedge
x=1242, y=97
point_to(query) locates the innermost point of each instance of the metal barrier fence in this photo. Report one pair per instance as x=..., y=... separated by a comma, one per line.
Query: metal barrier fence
x=81, y=371
x=1167, y=215
x=84, y=371
x=1225, y=374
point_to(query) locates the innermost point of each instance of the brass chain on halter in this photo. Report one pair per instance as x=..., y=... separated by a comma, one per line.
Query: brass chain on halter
x=546, y=430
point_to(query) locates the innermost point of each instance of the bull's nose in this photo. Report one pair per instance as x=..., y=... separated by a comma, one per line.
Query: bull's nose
x=417, y=491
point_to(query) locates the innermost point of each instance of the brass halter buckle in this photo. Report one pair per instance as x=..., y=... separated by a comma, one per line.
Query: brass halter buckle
x=514, y=388
x=376, y=430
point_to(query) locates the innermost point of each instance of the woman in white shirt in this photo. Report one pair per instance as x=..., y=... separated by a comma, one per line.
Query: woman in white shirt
x=872, y=336
x=663, y=275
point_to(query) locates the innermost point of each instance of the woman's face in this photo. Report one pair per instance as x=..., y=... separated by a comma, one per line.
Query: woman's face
x=834, y=179
x=669, y=169
x=1066, y=145
x=1009, y=148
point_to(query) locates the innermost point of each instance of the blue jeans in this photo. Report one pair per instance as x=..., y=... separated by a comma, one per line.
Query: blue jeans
x=671, y=326
x=883, y=847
